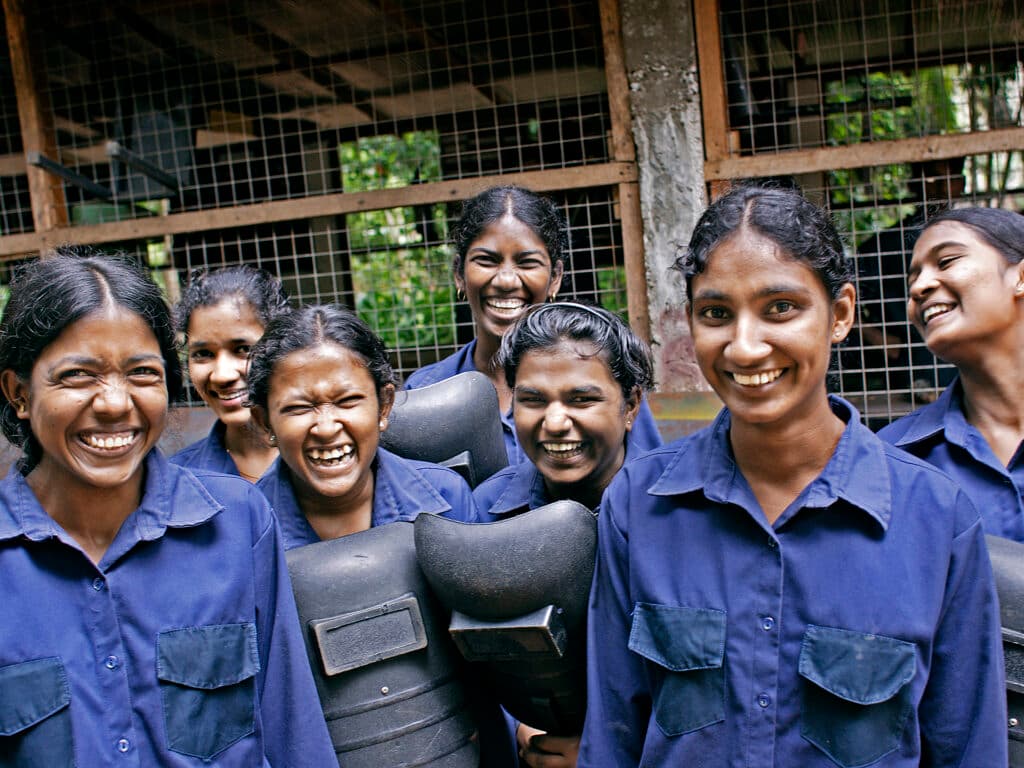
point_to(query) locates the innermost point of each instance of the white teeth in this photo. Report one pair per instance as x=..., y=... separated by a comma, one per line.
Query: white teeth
x=933, y=310
x=561, y=447
x=506, y=303
x=332, y=454
x=230, y=395
x=756, y=379
x=118, y=441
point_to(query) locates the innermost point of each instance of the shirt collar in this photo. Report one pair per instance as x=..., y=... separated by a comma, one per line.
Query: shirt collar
x=946, y=415
x=172, y=497
x=857, y=473
x=525, y=490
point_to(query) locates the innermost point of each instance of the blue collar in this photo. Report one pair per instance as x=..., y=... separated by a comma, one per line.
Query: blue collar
x=945, y=415
x=857, y=473
x=525, y=491
x=22, y=515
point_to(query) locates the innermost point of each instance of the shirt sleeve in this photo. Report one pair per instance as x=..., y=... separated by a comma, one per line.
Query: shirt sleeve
x=618, y=705
x=456, y=492
x=645, y=435
x=294, y=730
x=963, y=711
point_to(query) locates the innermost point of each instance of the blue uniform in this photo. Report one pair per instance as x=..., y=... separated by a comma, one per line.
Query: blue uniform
x=939, y=434
x=860, y=629
x=520, y=488
x=180, y=648
x=210, y=453
x=645, y=430
x=403, y=488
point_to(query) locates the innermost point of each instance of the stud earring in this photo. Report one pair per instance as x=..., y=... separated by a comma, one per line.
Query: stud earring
x=381, y=425
x=273, y=439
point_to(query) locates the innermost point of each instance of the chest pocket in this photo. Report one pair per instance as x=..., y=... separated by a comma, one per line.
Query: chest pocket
x=856, y=693
x=685, y=648
x=207, y=683
x=35, y=716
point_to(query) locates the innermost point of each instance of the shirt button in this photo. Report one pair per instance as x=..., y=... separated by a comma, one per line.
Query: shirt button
x=763, y=700
x=772, y=544
x=111, y=662
x=123, y=745
x=97, y=584
x=767, y=623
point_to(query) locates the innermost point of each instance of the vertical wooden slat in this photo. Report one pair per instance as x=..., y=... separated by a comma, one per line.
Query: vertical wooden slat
x=624, y=150
x=713, y=99
x=49, y=206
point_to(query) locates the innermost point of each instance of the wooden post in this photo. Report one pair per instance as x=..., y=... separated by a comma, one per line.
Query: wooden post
x=46, y=191
x=623, y=150
x=714, y=102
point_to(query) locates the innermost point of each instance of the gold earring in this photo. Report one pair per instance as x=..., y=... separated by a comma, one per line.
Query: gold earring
x=460, y=294
x=20, y=407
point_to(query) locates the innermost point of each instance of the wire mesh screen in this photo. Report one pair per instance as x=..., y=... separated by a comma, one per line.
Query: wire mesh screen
x=202, y=107
x=810, y=73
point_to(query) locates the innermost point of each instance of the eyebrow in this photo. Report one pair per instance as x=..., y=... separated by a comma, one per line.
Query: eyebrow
x=767, y=291
x=205, y=343
x=913, y=270
x=525, y=252
x=86, y=361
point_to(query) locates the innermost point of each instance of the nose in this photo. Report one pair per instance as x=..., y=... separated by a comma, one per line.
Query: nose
x=921, y=285
x=507, y=277
x=556, y=419
x=327, y=421
x=225, y=369
x=747, y=345
x=113, y=398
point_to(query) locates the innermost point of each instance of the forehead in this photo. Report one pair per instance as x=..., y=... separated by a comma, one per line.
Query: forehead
x=750, y=261
x=321, y=368
x=224, y=318
x=112, y=332
x=509, y=228
x=568, y=364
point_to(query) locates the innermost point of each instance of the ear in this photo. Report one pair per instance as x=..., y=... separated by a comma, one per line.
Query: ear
x=258, y=414
x=1018, y=290
x=844, y=308
x=387, y=401
x=633, y=407
x=16, y=392
x=555, y=283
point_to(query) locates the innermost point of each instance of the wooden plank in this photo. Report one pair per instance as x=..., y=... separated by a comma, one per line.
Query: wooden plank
x=618, y=84
x=46, y=191
x=633, y=259
x=714, y=104
x=605, y=174
x=867, y=154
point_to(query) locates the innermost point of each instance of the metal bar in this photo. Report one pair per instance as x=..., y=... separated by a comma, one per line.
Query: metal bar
x=39, y=160
x=143, y=166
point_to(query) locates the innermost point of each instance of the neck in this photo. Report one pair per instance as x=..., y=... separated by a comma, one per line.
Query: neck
x=333, y=517
x=992, y=387
x=483, y=358
x=92, y=516
x=249, y=449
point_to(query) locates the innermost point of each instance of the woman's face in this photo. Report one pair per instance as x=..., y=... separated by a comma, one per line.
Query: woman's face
x=963, y=292
x=219, y=340
x=506, y=269
x=322, y=406
x=96, y=400
x=762, y=326
x=571, y=417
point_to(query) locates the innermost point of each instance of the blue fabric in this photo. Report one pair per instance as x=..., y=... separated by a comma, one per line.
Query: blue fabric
x=403, y=488
x=939, y=434
x=210, y=453
x=520, y=487
x=644, y=434
x=200, y=559
x=879, y=567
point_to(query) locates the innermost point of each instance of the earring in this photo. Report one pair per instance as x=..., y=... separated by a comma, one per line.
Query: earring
x=273, y=439
x=20, y=407
x=460, y=294
x=629, y=423
x=381, y=425
x=551, y=298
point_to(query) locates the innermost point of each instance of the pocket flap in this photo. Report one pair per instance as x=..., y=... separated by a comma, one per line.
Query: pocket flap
x=864, y=669
x=208, y=657
x=30, y=692
x=678, y=638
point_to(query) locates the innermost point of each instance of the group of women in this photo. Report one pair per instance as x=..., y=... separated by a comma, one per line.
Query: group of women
x=781, y=588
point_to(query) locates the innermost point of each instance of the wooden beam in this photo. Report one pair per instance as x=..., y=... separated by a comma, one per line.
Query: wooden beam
x=714, y=104
x=863, y=155
x=603, y=175
x=623, y=148
x=46, y=191
x=633, y=258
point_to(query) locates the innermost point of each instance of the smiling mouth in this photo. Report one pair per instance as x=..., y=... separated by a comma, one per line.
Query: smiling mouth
x=330, y=457
x=756, y=379
x=232, y=396
x=505, y=305
x=110, y=442
x=934, y=311
x=563, y=450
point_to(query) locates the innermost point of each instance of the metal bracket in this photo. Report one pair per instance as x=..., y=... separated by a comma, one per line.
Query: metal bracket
x=143, y=166
x=39, y=160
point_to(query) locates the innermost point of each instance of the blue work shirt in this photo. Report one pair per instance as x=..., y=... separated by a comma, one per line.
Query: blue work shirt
x=645, y=429
x=403, y=488
x=181, y=647
x=863, y=624
x=520, y=488
x=209, y=453
x=939, y=434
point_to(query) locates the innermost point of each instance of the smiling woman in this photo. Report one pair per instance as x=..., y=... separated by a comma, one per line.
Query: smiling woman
x=738, y=567
x=966, y=283
x=95, y=528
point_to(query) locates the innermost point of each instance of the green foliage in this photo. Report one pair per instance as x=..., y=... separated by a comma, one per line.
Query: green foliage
x=400, y=274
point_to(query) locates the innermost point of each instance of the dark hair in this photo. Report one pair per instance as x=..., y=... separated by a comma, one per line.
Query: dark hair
x=1001, y=229
x=258, y=288
x=544, y=326
x=308, y=327
x=49, y=295
x=801, y=229
x=539, y=213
